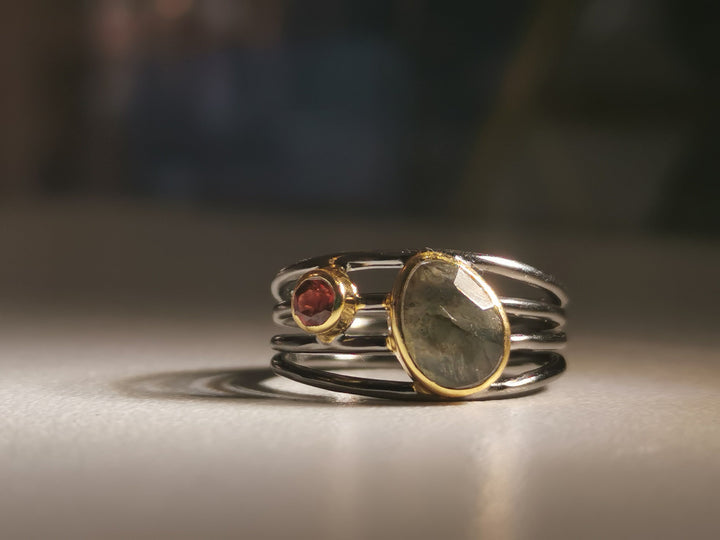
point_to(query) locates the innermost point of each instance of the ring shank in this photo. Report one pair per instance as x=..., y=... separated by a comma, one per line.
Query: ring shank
x=371, y=317
x=284, y=282
x=314, y=370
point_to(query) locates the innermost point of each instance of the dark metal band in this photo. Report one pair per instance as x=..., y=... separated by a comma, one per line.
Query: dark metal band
x=315, y=370
x=357, y=344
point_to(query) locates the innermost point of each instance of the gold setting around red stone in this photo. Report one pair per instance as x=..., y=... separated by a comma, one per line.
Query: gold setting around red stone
x=345, y=304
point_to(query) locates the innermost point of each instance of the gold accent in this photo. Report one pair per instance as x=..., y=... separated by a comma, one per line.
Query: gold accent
x=346, y=304
x=396, y=343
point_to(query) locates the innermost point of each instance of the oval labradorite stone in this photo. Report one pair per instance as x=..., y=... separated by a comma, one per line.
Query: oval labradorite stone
x=451, y=328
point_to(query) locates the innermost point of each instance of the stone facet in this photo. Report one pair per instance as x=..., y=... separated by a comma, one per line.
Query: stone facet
x=313, y=301
x=451, y=328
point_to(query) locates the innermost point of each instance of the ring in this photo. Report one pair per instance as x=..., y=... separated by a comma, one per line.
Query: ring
x=453, y=333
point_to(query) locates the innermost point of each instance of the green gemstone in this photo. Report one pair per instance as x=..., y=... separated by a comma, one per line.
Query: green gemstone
x=452, y=330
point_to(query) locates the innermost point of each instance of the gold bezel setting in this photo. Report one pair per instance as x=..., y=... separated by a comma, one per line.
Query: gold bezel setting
x=346, y=303
x=396, y=342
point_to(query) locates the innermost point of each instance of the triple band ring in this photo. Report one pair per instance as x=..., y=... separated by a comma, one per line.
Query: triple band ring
x=461, y=325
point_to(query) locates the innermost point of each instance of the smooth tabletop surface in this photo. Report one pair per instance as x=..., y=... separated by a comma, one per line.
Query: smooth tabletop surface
x=136, y=399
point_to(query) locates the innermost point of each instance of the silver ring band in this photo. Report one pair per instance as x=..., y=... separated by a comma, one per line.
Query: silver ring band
x=371, y=318
x=281, y=287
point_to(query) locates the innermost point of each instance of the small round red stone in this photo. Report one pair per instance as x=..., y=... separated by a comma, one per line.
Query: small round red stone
x=313, y=301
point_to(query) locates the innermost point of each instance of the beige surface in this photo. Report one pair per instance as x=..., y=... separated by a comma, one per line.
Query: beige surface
x=119, y=326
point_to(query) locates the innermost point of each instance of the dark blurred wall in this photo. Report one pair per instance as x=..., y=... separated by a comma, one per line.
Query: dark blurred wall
x=589, y=113
x=44, y=55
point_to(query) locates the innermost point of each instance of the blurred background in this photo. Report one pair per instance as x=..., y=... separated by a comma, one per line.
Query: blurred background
x=592, y=114
x=169, y=156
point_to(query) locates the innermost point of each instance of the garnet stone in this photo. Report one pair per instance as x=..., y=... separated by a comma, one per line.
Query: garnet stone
x=313, y=301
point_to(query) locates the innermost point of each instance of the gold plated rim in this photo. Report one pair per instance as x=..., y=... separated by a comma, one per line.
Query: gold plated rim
x=344, y=308
x=396, y=342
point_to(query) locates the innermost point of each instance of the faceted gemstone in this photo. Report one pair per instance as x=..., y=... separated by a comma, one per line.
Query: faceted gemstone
x=313, y=301
x=450, y=326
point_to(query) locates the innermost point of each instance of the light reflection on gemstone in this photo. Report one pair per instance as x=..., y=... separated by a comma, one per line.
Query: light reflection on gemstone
x=465, y=283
